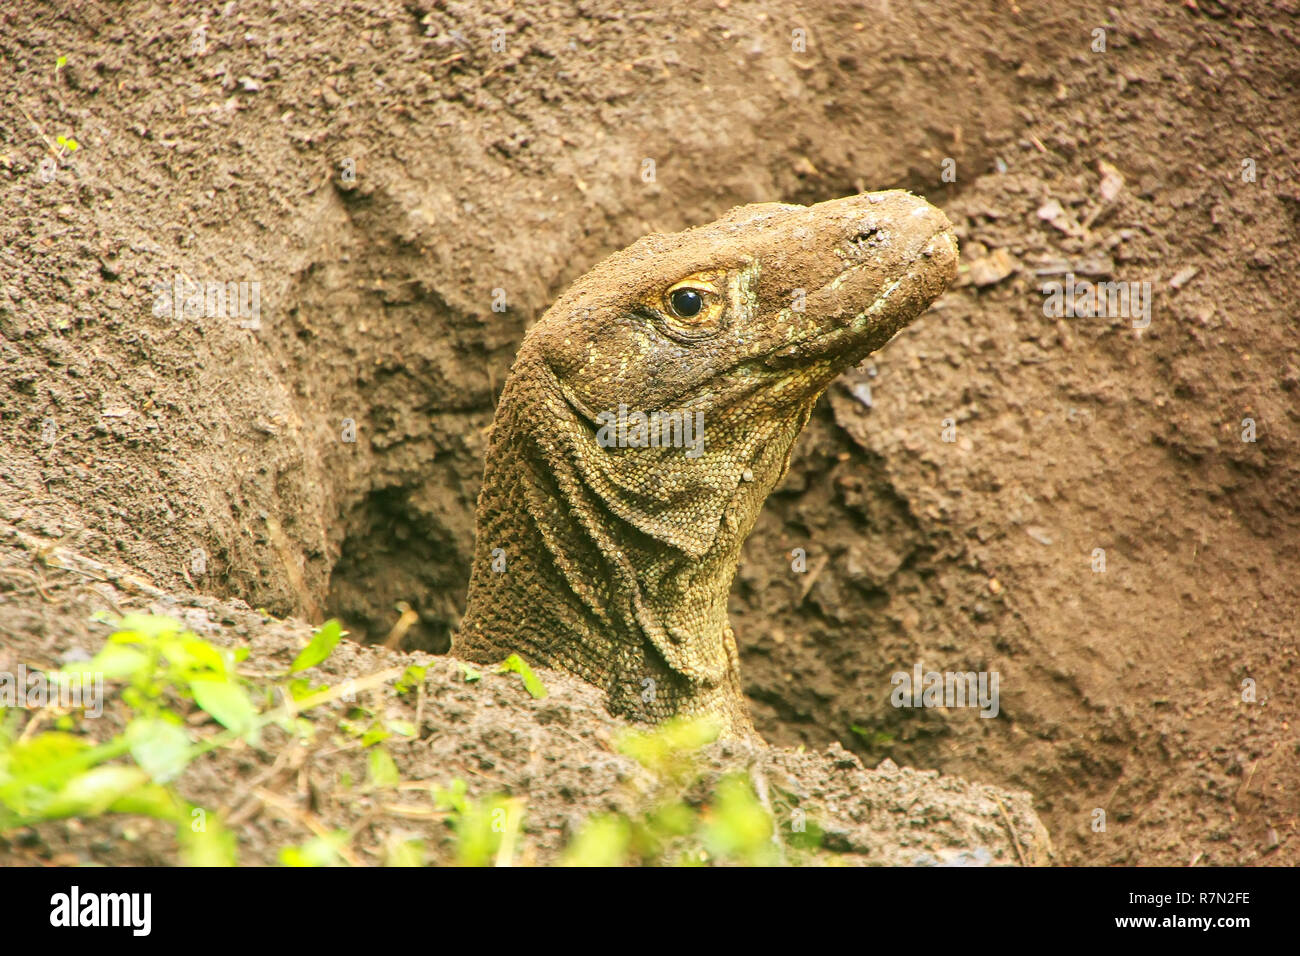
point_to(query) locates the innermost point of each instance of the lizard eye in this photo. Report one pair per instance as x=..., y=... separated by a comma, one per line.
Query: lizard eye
x=695, y=305
x=685, y=303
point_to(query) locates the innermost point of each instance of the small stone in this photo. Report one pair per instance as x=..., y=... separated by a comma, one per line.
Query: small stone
x=993, y=268
x=1112, y=181
x=803, y=167
x=74, y=654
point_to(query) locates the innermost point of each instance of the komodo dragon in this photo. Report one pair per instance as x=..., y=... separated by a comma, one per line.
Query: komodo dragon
x=608, y=550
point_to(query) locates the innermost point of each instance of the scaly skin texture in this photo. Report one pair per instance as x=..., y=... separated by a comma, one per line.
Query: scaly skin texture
x=614, y=562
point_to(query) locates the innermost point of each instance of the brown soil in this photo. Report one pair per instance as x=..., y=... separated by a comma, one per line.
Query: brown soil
x=222, y=154
x=559, y=753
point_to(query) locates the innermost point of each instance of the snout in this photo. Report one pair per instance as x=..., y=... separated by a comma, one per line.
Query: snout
x=884, y=256
x=886, y=249
x=891, y=226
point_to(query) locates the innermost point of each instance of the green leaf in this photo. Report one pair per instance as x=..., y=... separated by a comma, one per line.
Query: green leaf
x=413, y=676
x=603, y=841
x=404, y=853
x=301, y=688
x=738, y=827
x=42, y=750
x=322, y=643
x=674, y=819
x=33, y=772
x=451, y=797
x=114, y=662
x=227, y=702
x=194, y=655
x=809, y=838
x=873, y=738
x=158, y=746
x=150, y=799
x=482, y=826
x=322, y=851
x=667, y=749
x=403, y=727
x=141, y=627
x=374, y=735
x=383, y=769
x=515, y=664
x=212, y=845
x=469, y=674
x=91, y=793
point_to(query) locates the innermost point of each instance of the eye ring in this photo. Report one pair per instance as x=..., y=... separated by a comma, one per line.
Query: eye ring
x=686, y=302
x=693, y=308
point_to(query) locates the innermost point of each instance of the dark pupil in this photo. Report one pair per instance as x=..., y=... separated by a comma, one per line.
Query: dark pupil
x=687, y=303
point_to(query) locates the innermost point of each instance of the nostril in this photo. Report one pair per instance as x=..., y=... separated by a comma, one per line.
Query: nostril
x=866, y=241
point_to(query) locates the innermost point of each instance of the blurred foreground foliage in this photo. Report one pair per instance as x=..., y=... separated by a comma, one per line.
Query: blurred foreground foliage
x=180, y=697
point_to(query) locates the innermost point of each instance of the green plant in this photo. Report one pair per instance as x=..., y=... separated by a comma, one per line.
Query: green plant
x=514, y=664
x=164, y=668
x=167, y=676
x=679, y=826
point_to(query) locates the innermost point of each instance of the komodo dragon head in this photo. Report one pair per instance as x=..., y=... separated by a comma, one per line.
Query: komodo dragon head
x=648, y=415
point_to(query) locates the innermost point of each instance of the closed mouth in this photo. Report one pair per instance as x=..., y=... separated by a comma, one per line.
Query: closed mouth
x=836, y=341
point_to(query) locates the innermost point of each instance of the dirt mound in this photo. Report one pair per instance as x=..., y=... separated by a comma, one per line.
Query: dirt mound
x=374, y=201
x=558, y=751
